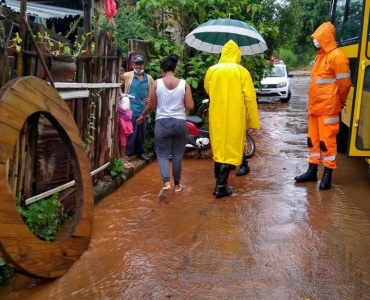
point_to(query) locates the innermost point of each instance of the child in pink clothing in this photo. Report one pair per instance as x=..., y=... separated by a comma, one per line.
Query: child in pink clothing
x=125, y=126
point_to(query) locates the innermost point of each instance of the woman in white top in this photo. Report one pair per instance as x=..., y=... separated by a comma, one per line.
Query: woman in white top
x=171, y=97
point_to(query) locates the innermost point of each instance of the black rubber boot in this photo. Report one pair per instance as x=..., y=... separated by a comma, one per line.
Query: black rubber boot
x=325, y=183
x=243, y=170
x=217, y=169
x=309, y=175
x=222, y=189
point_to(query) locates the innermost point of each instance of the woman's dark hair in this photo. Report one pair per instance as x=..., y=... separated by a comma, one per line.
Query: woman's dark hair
x=169, y=63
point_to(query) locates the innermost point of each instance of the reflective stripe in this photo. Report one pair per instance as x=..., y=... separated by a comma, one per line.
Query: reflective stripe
x=343, y=75
x=314, y=154
x=329, y=158
x=331, y=120
x=326, y=80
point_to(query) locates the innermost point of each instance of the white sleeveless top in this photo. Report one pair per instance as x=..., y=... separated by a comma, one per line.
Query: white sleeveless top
x=170, y=103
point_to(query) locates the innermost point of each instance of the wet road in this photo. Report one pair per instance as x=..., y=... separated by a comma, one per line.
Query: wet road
x=273, y=239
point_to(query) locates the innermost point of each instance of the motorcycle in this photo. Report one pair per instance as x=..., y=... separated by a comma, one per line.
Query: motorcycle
x=198, y=139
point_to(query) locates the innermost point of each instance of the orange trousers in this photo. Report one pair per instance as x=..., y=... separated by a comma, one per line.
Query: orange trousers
x=322, y=139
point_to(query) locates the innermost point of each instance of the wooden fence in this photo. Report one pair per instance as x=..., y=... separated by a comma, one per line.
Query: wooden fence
x=89, y=85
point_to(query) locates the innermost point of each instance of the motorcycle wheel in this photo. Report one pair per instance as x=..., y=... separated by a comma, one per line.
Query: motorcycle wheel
x=249, y=146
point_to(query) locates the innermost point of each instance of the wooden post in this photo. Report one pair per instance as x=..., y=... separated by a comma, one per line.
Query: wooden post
x=22, y=34
x=87, y=23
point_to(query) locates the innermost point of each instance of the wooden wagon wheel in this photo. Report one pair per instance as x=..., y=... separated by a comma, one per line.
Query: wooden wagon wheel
x=19, y=99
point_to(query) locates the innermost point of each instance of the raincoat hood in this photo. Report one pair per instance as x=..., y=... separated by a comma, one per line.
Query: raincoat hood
x=325, y=35
x=330, y=74
x=230, y=53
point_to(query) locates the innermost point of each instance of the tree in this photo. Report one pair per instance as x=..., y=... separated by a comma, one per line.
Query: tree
x=185, y=15
x=299, y=19
x=129, y=24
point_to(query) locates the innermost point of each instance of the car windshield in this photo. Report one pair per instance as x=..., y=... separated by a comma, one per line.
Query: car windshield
x=277, y=72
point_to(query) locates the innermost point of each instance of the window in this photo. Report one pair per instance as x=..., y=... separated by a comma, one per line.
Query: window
x=347, y=19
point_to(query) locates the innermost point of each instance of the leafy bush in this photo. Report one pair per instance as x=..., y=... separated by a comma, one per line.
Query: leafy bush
x=6, y=272
x=117, y=168
x=256, y=64
x=293, y=60
x=289, y=58
x=149, y=143
x=128, y=25
x=44, y=218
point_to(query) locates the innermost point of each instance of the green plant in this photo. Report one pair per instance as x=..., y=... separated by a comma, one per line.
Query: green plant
x=128, y=24
x=149, y=134
x=16, y=42
x=90, y=130
x=256, y=65
x=117, y=169
x=300, y=60
x=197, y=67
x=289, y=58
x=6, y=272
x=44, y=217
x=73, y=26
x=58, y=48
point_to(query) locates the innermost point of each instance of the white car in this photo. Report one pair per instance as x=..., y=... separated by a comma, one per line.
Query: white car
x=276, y=85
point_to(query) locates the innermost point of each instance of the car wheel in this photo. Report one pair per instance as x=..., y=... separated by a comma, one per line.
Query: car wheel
x=285, y=100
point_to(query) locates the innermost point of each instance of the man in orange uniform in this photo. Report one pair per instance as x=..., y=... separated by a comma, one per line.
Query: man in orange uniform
x=328, y=90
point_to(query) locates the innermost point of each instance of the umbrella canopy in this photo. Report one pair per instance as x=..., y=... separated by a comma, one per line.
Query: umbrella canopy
x=214, y=34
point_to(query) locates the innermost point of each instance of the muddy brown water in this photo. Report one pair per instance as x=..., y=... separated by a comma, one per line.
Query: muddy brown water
x=272, y=239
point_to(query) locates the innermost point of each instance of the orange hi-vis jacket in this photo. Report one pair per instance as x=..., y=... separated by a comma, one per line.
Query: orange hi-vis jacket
x=330, y=74
x=328, y=90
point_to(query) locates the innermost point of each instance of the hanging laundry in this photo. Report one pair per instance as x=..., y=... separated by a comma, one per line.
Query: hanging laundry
x=110, y=9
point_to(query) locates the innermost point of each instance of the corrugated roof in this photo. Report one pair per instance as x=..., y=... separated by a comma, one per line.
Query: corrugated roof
x=42, y=10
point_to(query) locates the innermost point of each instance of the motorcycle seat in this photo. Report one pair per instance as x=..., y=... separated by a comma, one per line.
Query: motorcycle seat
x=196, y=120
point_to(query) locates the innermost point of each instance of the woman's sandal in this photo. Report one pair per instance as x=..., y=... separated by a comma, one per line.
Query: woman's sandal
x=163, y=193
x=178, y=189
x=128, y=165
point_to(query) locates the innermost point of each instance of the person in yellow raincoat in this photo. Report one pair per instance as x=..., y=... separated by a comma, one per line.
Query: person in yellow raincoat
x=328, y=90
x=232, y=109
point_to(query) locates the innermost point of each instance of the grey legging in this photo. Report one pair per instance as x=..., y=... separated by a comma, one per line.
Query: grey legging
x=170, y=137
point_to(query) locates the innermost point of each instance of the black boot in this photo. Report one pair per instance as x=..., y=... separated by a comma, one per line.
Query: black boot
x=243, y=170
x=222, y=189
x=325, y=183
x=217, y=169
x=310, y=175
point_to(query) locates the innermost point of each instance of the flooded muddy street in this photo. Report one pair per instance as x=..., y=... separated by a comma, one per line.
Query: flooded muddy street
x=272, y=239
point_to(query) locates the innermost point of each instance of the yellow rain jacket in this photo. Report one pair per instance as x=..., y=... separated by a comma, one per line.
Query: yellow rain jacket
x=233, y=105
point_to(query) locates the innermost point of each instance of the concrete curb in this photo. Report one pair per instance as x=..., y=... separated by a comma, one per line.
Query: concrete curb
x=103, y=188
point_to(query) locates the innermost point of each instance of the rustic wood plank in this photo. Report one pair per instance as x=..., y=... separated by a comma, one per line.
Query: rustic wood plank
x=74, y=94
x=82, y=85
x=22, y=159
